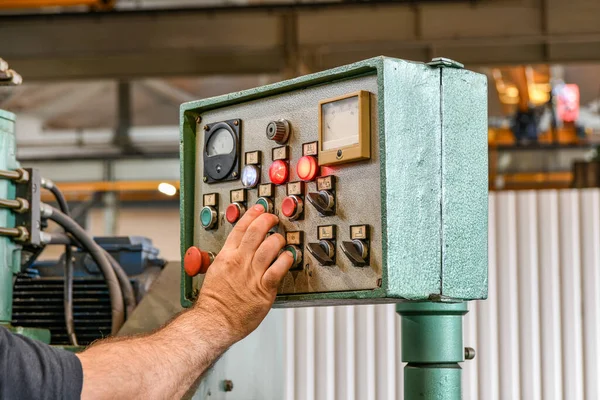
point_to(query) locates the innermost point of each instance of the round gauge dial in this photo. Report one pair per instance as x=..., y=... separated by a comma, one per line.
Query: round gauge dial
x=220, y=142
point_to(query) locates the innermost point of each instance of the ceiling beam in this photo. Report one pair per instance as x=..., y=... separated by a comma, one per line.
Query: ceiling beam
x=249, y=40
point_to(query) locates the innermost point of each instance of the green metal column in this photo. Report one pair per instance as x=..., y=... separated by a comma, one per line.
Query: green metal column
x=432, y=345
x=10, y=252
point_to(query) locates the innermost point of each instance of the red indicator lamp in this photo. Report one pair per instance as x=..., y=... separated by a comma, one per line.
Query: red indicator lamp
x=279, y=172
x=307, y=168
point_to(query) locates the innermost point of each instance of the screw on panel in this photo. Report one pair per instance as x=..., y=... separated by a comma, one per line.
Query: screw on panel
x=234, y=174
x=227, y=385
x=205, y=179
x=205, y=127
x=469, y=353
x=236, y=122
x=198, y=119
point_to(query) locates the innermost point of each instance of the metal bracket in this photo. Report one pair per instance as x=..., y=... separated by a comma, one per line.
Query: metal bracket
x=442, y=62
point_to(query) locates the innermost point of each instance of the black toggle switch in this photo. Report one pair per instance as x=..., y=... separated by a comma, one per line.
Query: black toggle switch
x=323, y=201
x=323, y=252
x=357, y=252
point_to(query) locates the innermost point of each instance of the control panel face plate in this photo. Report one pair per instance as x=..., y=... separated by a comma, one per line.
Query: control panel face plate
x=357, y=186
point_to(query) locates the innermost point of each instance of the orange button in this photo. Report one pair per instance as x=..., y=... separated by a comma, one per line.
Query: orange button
x=195, y=261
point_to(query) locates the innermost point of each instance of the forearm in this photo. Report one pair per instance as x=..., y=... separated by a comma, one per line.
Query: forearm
x=237, y=293
x=162, y=365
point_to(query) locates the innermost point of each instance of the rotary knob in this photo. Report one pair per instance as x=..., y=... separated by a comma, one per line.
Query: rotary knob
x=279, y=131
x=323, y=201
x=357, y=252
x=323, y=252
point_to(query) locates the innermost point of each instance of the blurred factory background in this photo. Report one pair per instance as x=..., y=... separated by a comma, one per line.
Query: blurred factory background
x=98, y=113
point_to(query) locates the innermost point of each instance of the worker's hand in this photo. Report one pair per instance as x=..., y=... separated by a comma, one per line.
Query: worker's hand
x=241, y=284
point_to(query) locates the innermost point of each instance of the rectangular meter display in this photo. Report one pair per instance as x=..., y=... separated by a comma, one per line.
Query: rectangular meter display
x=344, y=128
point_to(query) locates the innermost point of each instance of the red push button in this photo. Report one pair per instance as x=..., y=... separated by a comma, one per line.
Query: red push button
x=292, y=207
x=233, y=212
x=196, y=262
x=288, y=206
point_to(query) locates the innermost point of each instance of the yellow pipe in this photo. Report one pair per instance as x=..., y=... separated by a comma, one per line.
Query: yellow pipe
x=116, y=186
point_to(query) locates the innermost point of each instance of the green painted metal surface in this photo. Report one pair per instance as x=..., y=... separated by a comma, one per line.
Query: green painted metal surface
x=432, y=345
x=433, y=151
x=412, y=169
x=43, y=335
x=440, y=383
x=432, y=332
x=10, y=252
x=464, y=207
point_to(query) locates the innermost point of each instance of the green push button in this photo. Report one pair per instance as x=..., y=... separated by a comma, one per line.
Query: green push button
x=208, y=217
x=296, y=254
x=264, y=203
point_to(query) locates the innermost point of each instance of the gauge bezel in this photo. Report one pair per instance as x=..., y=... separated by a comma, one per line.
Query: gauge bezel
x=222, y=167
x=354, y=152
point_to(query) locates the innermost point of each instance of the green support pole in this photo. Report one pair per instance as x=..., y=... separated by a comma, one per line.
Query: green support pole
x=432, y=345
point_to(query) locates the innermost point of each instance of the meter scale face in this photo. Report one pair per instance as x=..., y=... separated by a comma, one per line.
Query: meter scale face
x=340, y=123
x=286, y=179
x=220, y=143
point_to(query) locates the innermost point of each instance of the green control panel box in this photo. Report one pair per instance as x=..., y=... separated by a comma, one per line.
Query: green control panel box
x=378, y=171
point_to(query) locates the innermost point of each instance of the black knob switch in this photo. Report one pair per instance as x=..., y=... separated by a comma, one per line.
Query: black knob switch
x=323, y=201
x=323, y=252
x=357, y=252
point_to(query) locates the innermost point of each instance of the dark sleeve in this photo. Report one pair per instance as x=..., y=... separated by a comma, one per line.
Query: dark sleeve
x=33, y=370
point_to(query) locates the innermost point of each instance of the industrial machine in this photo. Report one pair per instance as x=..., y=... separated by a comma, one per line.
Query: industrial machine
x=87, y=294
x=378, y=172
x=38, y=291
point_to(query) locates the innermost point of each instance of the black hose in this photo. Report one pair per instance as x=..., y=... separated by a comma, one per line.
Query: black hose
x=60, y=198
x=58, y=238
x=124, y=282
x=99, y=256
x=68, y=284
x=126, y=288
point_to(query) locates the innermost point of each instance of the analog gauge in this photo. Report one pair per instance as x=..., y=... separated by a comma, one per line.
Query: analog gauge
x=340, y=123
x=220, y=142
x=221, y=151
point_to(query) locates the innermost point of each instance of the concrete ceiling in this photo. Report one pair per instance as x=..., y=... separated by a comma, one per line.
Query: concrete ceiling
x=89, y=105
x=94, y=104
